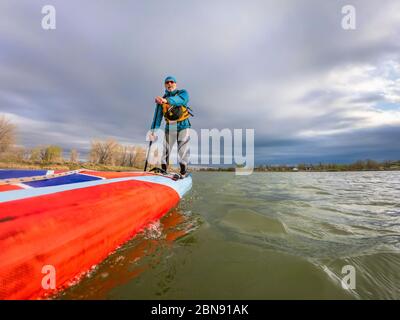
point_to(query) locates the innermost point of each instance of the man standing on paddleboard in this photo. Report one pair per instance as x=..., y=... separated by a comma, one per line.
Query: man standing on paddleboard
x=173, y=106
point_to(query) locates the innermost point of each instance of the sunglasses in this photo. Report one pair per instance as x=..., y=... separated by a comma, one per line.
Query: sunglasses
x=168, y=82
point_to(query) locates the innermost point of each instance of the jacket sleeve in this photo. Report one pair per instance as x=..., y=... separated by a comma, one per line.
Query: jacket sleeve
x=157, y=118
x=181, y=99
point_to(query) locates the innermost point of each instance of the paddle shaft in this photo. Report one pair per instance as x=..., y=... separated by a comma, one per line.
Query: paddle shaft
x=147, y=157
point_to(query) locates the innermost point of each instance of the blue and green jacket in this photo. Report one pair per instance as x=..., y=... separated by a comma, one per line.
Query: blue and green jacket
x=175, y=98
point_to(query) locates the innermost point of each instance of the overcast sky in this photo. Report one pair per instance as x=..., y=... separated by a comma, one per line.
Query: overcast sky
x=311, y=90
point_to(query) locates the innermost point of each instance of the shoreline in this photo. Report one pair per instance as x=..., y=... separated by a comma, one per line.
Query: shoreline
x=65, y=166
x=68, y=166
x=359, y=166
x=310, y=171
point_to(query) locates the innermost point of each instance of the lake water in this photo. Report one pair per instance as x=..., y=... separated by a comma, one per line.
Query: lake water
x=264, y=236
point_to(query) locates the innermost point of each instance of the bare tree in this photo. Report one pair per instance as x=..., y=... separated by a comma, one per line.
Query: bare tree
x=123, y=156
x=74, y=156
x=52, y=154
x=7, y=134
x=139, y=156
x=110, y=152
x=104, y=152
x=128, y=156
x=131, y=156
x=15, y=154
x=47, y=154
x=35, y=154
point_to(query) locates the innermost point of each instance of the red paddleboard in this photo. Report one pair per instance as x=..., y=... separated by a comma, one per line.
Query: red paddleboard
x=56, y=227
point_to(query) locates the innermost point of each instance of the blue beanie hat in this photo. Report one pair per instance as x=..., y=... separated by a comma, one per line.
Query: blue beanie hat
x=170, y=78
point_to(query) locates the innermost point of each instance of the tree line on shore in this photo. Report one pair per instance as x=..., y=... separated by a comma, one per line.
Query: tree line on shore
x=102, y=152
x=360, y=165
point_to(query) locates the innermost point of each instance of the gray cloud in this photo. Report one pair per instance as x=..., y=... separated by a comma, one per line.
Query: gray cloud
x=275, y=66
x=380, y=143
